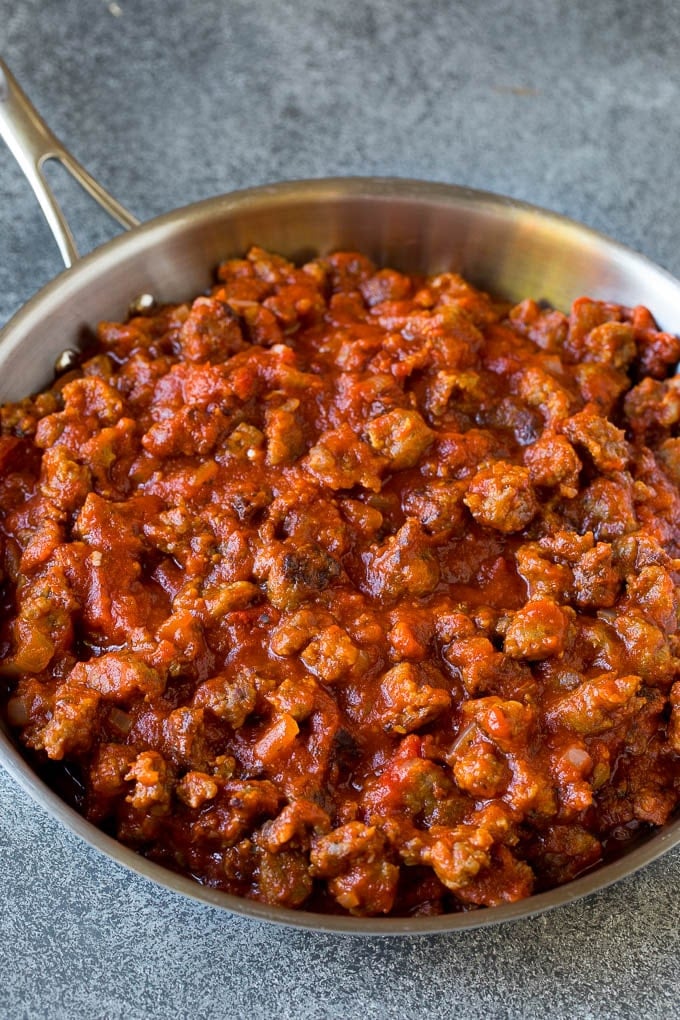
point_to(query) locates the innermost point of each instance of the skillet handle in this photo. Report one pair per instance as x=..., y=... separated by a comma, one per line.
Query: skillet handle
x=32, y=143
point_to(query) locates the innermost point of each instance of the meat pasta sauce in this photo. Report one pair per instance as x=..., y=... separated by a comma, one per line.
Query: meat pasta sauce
x=352, y=591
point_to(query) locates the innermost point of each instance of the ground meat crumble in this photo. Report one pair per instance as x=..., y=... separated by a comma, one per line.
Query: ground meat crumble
x=353, y=591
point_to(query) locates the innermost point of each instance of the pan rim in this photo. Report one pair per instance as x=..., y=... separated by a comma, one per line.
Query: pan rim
x=326, y=189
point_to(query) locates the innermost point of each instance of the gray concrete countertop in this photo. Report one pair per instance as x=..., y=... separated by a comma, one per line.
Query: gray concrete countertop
x=574, y=106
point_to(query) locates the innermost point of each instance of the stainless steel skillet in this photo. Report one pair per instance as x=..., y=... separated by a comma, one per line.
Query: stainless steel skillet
x=511, y=248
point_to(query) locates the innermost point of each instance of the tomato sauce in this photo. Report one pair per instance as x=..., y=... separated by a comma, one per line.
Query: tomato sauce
x=352, y=591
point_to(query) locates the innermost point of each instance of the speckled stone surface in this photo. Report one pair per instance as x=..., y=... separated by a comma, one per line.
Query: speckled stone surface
x=573, y=106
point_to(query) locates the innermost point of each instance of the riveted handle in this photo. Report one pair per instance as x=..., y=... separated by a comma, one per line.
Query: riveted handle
x=32, y=144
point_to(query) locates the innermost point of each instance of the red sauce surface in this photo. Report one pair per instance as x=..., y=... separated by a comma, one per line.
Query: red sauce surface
x=350, y=591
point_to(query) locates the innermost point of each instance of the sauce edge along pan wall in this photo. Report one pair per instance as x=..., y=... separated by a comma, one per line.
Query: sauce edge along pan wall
x=510, y=248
